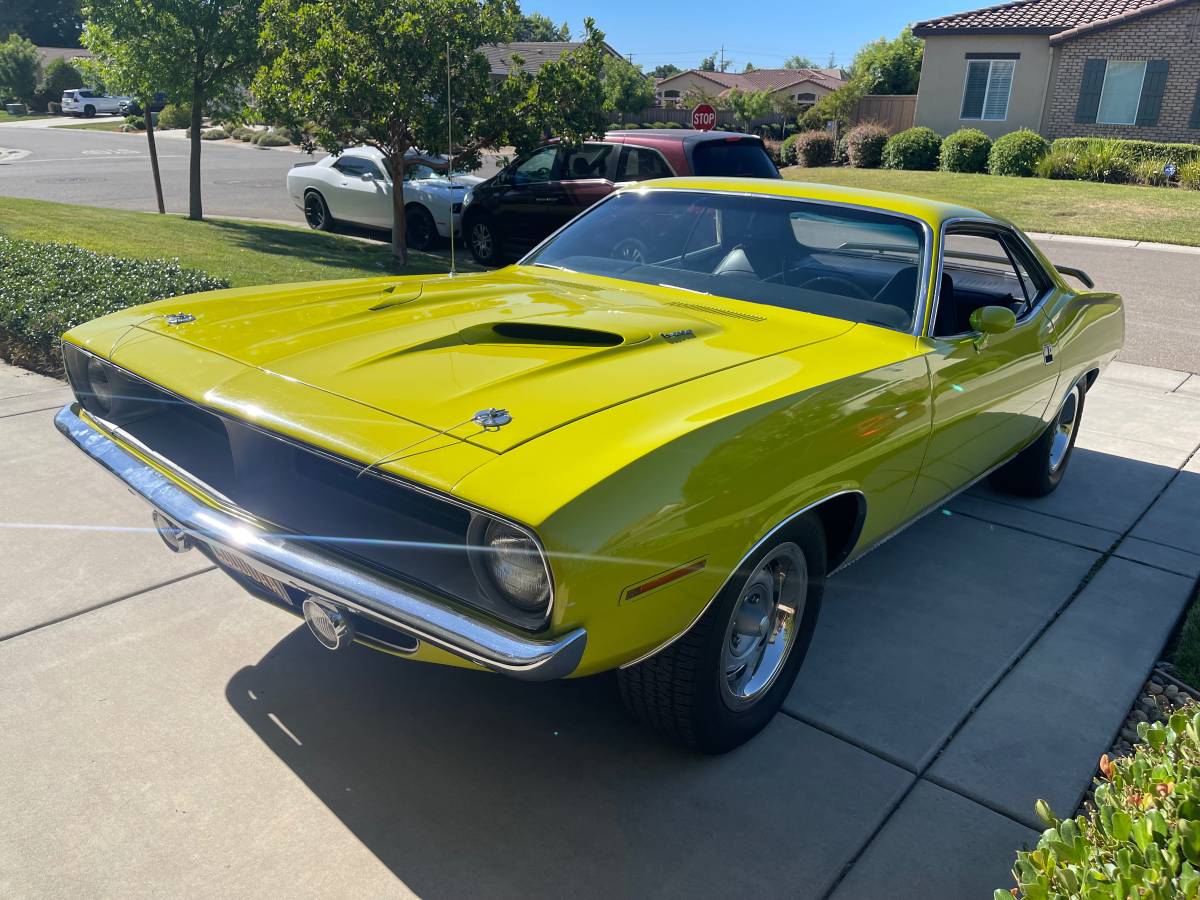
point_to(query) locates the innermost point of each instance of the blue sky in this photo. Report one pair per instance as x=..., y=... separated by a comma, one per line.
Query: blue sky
x=764, y=32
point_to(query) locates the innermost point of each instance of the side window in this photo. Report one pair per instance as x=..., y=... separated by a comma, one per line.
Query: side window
x=979, y=269
x=354, y=166
x=537, y=168
x=589, y=161
x=642, y=164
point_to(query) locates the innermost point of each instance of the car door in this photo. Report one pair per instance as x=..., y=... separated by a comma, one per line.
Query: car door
x=587, y=176
x=361, y=194
x=989, y=392
x=529, y=188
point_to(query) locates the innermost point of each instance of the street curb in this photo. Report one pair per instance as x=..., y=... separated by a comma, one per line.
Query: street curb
x=1112, y=242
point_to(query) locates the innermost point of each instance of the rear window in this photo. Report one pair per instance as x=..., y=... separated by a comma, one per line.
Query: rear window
x=737, y=158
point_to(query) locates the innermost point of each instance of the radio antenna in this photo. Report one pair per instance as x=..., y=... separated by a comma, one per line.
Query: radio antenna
x=450, y=155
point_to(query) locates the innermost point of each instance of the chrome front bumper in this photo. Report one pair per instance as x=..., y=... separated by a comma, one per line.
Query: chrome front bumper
x=312, y=570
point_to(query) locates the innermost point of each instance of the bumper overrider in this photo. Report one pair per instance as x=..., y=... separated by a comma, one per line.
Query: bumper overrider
x=320, y=579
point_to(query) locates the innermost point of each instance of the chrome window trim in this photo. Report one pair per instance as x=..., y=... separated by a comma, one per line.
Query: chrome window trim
x=922, y=299
x=737, y=568
x=941, y=264
x=227, y=505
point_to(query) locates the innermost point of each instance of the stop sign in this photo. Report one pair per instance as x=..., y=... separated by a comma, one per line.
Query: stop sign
x=704, y=117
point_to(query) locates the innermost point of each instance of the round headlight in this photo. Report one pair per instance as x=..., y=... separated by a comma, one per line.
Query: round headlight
x=513, y=561
x=100, y=385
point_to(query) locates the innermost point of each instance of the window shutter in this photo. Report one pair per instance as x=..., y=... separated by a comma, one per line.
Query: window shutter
x=976, y=88
x=1152, y=92
x=1194, y=122
x=1089, y=90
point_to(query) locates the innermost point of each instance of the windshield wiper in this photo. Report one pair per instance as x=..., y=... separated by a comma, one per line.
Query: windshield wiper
x=560, y=268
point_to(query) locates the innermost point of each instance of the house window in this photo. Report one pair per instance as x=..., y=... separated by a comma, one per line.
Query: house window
x=988, y=86
x=1121, y=94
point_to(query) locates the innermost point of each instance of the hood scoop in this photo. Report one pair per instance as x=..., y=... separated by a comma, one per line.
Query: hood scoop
x=545, y=334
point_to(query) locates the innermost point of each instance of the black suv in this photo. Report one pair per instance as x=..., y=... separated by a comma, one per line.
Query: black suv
x=543, y=190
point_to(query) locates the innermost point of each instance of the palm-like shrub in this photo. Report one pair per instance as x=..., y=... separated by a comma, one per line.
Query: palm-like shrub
x=965, y=150
x=864, y=145
x=913, y=148
x=1017, y=153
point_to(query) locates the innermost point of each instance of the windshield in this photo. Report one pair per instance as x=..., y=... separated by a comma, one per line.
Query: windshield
x=840, y=261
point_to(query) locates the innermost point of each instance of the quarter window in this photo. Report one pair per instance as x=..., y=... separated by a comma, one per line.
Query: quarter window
x=988, y=87
x=641, y=164
x=1122, y=93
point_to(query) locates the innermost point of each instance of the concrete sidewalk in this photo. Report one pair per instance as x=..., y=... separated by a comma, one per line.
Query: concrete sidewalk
x=163, y=733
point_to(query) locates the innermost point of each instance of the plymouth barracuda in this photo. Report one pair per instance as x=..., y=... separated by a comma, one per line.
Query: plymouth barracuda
x=643, y=448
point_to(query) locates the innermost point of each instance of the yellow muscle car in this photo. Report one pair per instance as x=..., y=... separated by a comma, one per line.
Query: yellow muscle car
x=642, y=448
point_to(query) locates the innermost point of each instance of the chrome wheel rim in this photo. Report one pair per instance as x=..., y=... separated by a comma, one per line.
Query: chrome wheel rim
x=1064, y=429
x=481, y=240
x=762, y=630
x=314, y=211
x=630, y=250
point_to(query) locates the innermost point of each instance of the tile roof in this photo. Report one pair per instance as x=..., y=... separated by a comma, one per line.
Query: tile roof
x=765, y=79
x=1038, y=16
x=534, y=54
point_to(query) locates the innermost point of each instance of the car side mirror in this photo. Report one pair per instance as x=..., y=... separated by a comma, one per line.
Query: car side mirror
x=367, y=176
x=989, y=320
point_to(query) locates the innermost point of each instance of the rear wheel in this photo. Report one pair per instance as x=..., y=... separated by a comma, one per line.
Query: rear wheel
x=316, y=212
x=1038, y=469
x=484, y=241
x=722, y=682
x=89, y=111
x=420, y=232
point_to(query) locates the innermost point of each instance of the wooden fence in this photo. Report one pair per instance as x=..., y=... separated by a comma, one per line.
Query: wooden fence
x=894, y=112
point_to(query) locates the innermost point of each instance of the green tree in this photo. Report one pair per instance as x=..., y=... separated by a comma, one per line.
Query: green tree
x=536, y=27
x=799, y=62
x=749, y=67
x=58, y=76
x=746, y=106
x=666, y=70
x=48, y=23
x=889, y=66
x=20, y=66
x=198, y=52
x=626, y=89
x=374, y=72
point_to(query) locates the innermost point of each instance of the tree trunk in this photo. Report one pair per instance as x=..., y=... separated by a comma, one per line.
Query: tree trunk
x=195, y=207
x=153, y=154
x=399, y=247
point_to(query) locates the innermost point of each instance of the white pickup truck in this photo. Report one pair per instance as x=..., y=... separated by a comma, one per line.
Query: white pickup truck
x=86, y=103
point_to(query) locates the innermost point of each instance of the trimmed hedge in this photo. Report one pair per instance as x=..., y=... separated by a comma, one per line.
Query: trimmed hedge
x=787, y=151
x=1017, y=153
x=864, y=145
x=965, y=150
x=174, y=116
x=270, y=139
x=1141, y=838
x=46, y=289
x=1134, y=151
x=913, y=148
x=814, y=148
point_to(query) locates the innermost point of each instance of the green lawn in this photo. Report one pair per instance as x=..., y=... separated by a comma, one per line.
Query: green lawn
x=245, y=253
x=1167, y=215
x=5, y=116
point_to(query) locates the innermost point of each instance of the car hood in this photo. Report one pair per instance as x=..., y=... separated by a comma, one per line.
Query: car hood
x=547, y=349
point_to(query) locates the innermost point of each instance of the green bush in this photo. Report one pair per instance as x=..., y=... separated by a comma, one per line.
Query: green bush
x=965, y=150
x=1017, y=153
x=864, y=145
x=1137, y=151
x=1189, y=176
x=613, y=126
x=175, y=116
x=271, y=139
x=814, y=148
x=658, y=125
x=135, y=123
x=787, y=150
x=46, y=289
x=1060, y=163
x=58, y=76
x=674, y=125
x=1148, y=172
x=20, y=65
x=631, y=126
x=1141, y=837
x=913, y=148
x=214, y=134
x=1104, y=162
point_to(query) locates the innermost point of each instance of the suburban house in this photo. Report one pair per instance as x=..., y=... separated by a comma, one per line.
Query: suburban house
x=534, y=55
x=47, y=55
x=804, y=86
x=1105, y=68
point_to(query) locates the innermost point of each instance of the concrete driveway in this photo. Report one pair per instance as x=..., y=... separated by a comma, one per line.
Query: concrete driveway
x=163, y=733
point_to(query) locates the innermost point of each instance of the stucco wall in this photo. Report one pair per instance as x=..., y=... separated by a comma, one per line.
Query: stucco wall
x=1167, y=35
x=944, y=74
x=687, y=82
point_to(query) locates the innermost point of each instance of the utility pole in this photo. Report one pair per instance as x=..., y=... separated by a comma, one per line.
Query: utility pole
x=721, y=68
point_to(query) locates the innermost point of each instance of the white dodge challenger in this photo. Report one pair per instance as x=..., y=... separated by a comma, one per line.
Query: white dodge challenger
x=355, y=187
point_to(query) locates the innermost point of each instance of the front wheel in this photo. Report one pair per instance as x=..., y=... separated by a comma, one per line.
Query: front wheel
x=484, y=241
x=722, y=682
x=1038, y=469
x=420, y=232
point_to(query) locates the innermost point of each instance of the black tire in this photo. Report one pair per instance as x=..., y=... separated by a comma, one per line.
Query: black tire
x=316, y=212
x=681, y=691
x=483, y=240
x=89, y=111
x=420, y=232
x=1038, y=469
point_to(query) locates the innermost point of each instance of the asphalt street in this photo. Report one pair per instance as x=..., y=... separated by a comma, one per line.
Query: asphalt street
x=109, y=169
